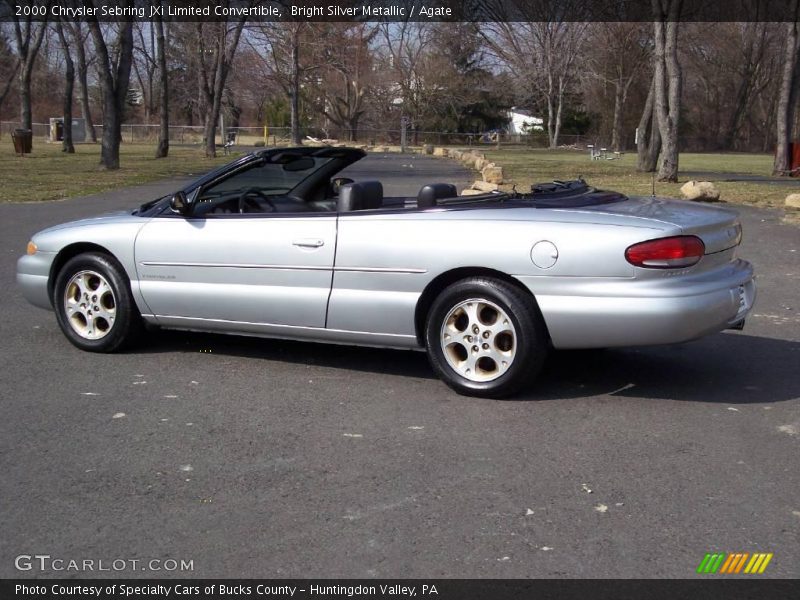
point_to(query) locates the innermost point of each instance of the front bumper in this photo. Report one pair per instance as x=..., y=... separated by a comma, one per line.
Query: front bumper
x=607, y=313
x=33, y=272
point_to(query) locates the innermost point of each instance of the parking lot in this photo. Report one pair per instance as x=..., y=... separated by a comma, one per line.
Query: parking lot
x=267, y=458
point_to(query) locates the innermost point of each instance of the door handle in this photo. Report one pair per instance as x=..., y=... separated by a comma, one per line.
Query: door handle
x=308, y=243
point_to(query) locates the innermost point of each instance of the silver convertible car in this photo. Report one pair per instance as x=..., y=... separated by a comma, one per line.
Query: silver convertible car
x=276, y=245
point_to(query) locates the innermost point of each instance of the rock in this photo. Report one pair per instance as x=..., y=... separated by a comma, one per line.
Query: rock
x=468, y=160
x=485, y=186
x=440, y=152
x=700, y=190
x=793, y=200
x=427, y=149
x=478, y=154
x=470, y=192
x=493, y=174
x=480, y=163
x=455, y=154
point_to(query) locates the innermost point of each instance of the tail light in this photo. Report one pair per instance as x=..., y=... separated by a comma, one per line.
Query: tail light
x=667, y=253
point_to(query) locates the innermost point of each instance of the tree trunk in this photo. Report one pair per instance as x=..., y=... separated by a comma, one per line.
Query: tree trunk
x=9, y=83
x=668, y=82
x=212, y=91
x=162, y=150
x=28, y=44
x=616, y=128
x=294, y=97
x=69, y=85
x=83, y=84
x=648, y=142
x=786, y=104
x=25, y=116
x=115, y=77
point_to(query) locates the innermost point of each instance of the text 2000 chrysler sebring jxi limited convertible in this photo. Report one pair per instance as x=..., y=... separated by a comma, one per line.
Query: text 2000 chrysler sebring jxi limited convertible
x=276, y=245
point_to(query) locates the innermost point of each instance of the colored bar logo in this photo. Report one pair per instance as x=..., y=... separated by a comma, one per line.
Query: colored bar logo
x=734, y=563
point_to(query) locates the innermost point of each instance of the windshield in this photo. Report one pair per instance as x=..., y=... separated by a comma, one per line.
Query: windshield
x=268, y=179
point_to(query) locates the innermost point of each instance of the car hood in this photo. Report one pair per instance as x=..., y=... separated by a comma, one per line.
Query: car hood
x=120, y=216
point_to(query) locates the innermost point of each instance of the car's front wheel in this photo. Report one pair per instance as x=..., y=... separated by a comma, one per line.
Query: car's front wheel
x=485, y=337
x=93, y=303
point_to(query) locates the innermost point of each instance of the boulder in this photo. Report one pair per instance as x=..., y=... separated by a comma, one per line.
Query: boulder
x=440, y=152
x=493, y=174
x=471, y=192
x=485, y=186
x=468, y=160
x=480, y=163
x=427, y=149
x=704, y=191
x=455, y=154
x=793, y=200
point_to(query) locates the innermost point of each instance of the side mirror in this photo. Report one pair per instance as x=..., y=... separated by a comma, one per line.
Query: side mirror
x=180, y=203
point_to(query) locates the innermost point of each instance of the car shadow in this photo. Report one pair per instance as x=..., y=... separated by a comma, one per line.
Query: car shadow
x=355, y=358
x=730, y=368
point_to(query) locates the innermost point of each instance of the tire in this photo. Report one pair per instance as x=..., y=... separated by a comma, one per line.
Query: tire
x=485, y=337
x=94, y=305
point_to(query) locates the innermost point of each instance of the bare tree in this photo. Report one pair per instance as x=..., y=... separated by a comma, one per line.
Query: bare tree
x=145, y=64
x=787, y=97
x=668, y=82
x=162, y=150
x=543, y=58
x=648, y=141
x=9, y=65
x=69, y=85
x=79, y=40
x=115, y=72
x=289, y=60
x=616, y=59
x=406, y=47
x=215, y=60
x=29, y=38
x=345, y=78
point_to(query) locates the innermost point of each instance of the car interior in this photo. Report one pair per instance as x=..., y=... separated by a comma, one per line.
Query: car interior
x=295, y=182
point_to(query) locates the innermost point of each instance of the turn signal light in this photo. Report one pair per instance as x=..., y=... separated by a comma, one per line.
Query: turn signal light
x=32, y=248
x=667, y=253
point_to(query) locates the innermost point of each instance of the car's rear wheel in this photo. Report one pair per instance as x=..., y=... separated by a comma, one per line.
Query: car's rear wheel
x=94, y=305
x=485, y=337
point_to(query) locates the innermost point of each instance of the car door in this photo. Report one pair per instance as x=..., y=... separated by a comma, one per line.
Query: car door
x=246, y=256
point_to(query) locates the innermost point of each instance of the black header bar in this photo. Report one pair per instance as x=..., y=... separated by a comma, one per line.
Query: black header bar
x=705, y=587
x=398, y=10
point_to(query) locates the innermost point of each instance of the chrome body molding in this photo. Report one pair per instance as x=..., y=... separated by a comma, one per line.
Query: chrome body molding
x=408, y=270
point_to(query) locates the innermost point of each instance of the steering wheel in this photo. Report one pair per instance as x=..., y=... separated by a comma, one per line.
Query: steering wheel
x=252, y=205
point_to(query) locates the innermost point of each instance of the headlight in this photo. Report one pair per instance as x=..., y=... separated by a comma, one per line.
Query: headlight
x=32, y=248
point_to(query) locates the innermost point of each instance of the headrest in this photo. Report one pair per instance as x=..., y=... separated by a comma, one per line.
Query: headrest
x=431, y=193
x=363, y=195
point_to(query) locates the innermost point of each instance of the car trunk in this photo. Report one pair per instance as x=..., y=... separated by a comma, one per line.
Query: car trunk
x=719, y=228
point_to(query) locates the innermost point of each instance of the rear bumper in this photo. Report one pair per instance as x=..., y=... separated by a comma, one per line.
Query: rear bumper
x=601, y=314
x=33, y=272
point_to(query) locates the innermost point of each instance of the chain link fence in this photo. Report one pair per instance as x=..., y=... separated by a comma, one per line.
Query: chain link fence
x=193, y=135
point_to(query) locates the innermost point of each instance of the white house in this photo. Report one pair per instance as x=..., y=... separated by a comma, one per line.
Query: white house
x=522, y=121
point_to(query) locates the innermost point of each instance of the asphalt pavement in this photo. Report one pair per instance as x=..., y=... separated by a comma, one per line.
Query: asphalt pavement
x=261, y=458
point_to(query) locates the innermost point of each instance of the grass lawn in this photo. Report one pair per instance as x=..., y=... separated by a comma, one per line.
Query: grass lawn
x=49, y=174
x=525, y=166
